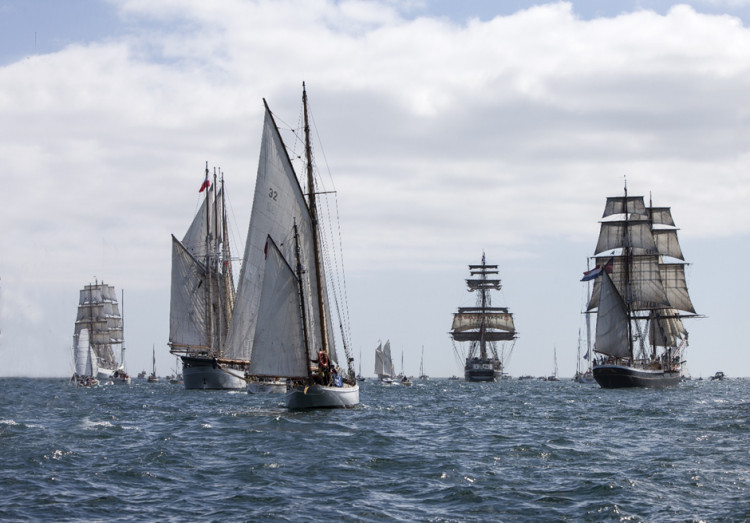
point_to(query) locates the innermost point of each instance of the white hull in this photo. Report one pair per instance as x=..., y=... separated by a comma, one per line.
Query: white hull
x=209, y=378
x=267, y=387
x=104, y=374
x=320, y=397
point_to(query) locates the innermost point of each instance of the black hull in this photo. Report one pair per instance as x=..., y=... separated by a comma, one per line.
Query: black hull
x=621, y=376
x=207, y=374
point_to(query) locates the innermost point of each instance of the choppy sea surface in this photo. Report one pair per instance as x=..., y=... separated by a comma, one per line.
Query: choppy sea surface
x=437, y=451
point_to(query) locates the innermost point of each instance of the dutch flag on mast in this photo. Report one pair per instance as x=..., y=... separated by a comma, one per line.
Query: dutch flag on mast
x=597, y=271
x=206, y=184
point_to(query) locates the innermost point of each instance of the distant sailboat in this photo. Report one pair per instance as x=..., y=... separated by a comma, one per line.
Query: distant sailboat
x=384, y=369
x=640, y=298
x=202, y=298
x=291, y=321
x=422, y=375
x=483, y=326
x=99, y=315
x=84, y=360
x=153, y=378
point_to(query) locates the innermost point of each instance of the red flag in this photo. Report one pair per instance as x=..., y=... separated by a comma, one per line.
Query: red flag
x=206, y=184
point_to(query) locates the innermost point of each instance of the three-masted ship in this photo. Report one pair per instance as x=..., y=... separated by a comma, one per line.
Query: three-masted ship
x=98, y=335
x=483, y=326
x=202, y=298
x=640, y=296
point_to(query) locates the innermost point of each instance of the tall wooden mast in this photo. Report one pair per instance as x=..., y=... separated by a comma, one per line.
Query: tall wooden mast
x=314, y=218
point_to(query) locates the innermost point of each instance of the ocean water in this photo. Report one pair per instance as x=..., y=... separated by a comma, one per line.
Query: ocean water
x=437, y=451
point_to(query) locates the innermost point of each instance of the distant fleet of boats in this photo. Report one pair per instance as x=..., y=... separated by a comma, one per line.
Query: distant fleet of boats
x=274, y=333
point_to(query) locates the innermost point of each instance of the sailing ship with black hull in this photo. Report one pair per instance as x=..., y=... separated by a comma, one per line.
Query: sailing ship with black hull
x=99, y=315
x=202, y=298
x=640, y=296
x=283, y=290
x=483, y=326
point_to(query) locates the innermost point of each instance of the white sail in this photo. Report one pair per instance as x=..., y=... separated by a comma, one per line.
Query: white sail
x=388, y=368
x=666, y=328
x=278, y=345
x=611, y=321
x=82, y=353
x=278, y=202
x=195, y=237
x=379, y=368
x=494, y=320
x=188, y=321
x=661, y=216
x=673, y=278
x=612, y=234
x=667, y=243
x=624, y=204
x=646, y=287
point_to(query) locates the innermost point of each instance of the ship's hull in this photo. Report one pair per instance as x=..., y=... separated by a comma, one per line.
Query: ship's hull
x=207, y=374
x=478, y=369
x=320, y=397
x=621, y=376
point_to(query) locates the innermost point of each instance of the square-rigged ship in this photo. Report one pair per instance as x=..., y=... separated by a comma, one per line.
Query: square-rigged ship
x=640, y=296
x=98, y=335
x=483, y=326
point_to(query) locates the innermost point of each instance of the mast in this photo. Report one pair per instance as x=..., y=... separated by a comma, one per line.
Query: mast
x=217, y=311
x=209, y=326
x=314, y=219
x=628, y=251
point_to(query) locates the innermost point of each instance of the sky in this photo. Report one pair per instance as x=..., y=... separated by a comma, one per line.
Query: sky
x=448, y=129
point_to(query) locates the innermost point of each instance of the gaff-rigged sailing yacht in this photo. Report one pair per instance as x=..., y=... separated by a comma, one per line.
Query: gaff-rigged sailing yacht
x=99, y=314
x=291, y=323
x=384, y=363
x=202, y=298
x=483, y=326
x=640, y=297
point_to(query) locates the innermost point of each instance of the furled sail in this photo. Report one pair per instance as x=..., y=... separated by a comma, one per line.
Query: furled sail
x=278, y=345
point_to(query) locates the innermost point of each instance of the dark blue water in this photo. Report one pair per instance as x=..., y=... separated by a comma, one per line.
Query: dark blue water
x=437, y=451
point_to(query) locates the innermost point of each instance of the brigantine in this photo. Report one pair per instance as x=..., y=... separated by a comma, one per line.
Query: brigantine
x=384, y=363
x=282, y=296
x=98, y=335
x=202, y=298
x=483, y=326
x=640, y=296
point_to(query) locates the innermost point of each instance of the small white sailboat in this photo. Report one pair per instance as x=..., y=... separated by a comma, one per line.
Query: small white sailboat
x=384, y=363
x=293, y=331
x=84, y=360
x=422, y=375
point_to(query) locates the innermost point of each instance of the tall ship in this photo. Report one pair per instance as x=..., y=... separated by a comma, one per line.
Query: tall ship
x=484, y=326
x=202, y=298
x=98, y=335
x=283, y=292
x=384, y=369
x=639, y=296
